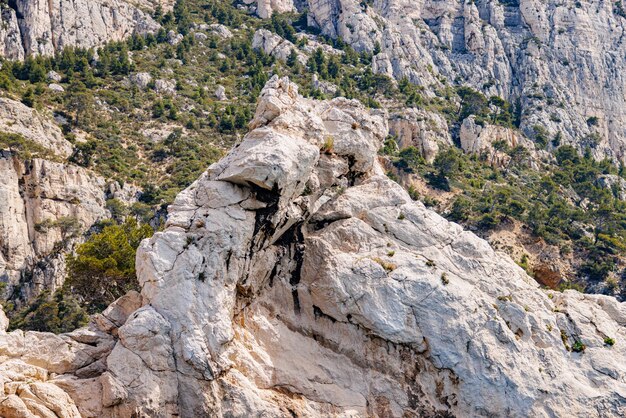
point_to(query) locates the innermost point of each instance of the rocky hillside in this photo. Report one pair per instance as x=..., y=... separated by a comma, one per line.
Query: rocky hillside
x=559, y=62
x=43, y=27
x=293, y=277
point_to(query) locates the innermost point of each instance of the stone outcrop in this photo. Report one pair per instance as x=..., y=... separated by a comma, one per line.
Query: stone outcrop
x=493, y=141
x=42, y=27
x=276, y=46
x=10, y=38
x=44, y=207
x=427, y=131
x=561, y=61
x=294, y=278
x=265, y=8
x=17, y=118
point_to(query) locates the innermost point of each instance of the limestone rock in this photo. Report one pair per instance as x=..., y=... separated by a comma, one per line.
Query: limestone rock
x=141, y=80
x=34, y=196
x=265, y=8
x=324, y=86
x=525, y=51
x=56, y=87
x=427, y=131
x=220, y=93
x=49, y=26
x=274, y=45
x=221, y=30
x=165, y=87
x=10, y=38
x=493, y=140
x=294, y=278
x=614, y=183
x=174, y=38
x=54, y=76
x=17, y=118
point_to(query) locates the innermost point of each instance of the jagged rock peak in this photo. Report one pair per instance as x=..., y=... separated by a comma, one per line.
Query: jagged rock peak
x=294, y=278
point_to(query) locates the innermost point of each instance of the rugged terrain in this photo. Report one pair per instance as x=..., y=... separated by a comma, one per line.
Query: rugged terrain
x=293, y=277
x=314, y=270
x=43, y=27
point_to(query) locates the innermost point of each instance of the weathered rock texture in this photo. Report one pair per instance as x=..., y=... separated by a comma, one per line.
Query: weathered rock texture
x=17, y=118
x=427, y=131
x=44, y=205
x=265, y=8
x=42, y=27
x=562, y=61
x=294, y=279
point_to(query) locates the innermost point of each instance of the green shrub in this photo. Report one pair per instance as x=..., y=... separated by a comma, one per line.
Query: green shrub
x=103, y=268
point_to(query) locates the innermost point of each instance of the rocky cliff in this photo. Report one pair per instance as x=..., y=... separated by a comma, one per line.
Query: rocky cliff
x=559, y=62
x=42, y=27
x=46, y=204
x=294, y=278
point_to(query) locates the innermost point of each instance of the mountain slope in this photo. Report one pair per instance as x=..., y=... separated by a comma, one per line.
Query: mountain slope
x=561, y=63
x=293, y=277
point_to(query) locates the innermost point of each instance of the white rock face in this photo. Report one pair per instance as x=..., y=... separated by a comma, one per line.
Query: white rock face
x=265, y=8
x=274, y=45
x=165, y=87
x=41, y=27
x=10, y=39
x=221, y=30
x=141, y=80
x=17, y=118
x=220, y=93
x=294, y=278
x=563, y=61
x=33, y=196
x=492, y=141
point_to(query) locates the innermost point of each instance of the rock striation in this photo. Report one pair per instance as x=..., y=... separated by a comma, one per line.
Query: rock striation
x=44, y=207
x=294, y=278
x=17, y=118
x=43, y=27
x=561, y=62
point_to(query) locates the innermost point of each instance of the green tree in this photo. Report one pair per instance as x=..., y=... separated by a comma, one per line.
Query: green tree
x=103, y=268
x=56, y=313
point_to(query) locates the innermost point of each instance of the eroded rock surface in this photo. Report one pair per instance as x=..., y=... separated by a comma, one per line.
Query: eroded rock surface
x=295, y=278
x=17, y=118
x=43, y=27
x=44, y=206
x=561, y=61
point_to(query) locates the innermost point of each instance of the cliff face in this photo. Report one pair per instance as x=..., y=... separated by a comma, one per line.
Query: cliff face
x=45, y=204
x=42, y=27
x=561, y=62
x=293, y=277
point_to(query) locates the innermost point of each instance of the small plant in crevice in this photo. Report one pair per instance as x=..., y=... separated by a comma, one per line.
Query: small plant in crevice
x=328, y=145
x=578, y=346
x=609, y=341
x=564, y=340
x=389, y=267
x=444, y=279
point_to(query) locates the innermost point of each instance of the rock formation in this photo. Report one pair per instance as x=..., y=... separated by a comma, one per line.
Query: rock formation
x=44, y=206
x=17, y=118
x=294, y=278
x=427, y=131
x=42, y=27
x=560, y=61
x=274, y=45
x=265, y=8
